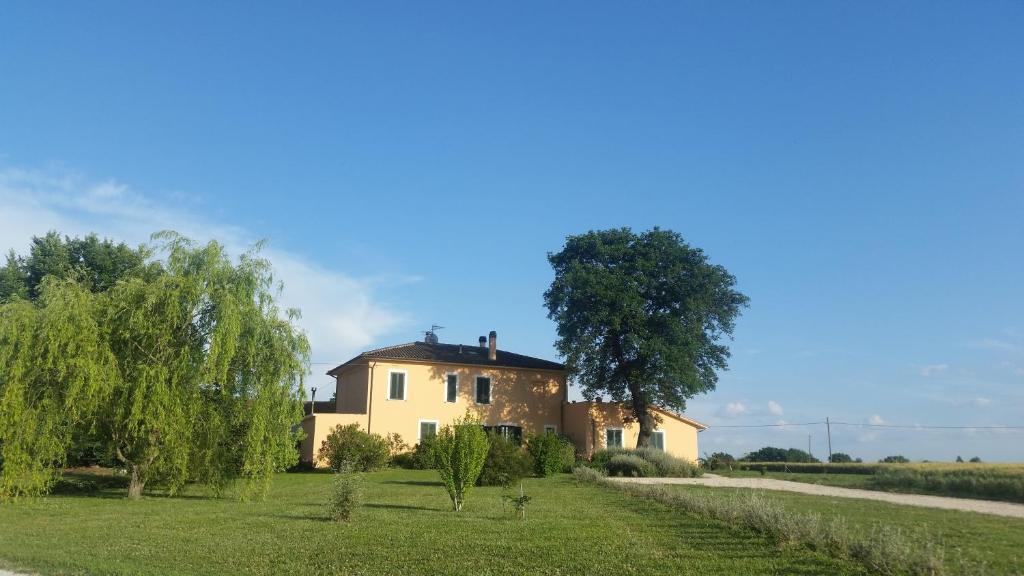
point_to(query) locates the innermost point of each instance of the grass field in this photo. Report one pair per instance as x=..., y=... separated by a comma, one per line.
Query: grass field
x=994, y=543
x=405, y=527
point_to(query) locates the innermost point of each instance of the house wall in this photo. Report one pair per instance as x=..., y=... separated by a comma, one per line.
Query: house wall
x=586, y=422
x=317, y=427
x=527, y=398
x=351, y=387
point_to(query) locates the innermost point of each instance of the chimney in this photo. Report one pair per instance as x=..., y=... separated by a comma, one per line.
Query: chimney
x=483, y=342
x=492, y=344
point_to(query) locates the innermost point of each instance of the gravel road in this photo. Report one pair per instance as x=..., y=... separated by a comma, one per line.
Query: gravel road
x=964, y=504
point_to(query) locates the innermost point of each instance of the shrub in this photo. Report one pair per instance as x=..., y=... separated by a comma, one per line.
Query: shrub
x=718, y=460
x=506, y=462
x=423, y=454
x=587, y=475
x=894, y=460
x=840, y=458
x=772, y=454
x=346, y=495
x=350, y=447
x=551, y=454
x=396, y=445
x=667, y=465
x=600, y=458
x=460, y=451
x=629, y=466
x=406, y=460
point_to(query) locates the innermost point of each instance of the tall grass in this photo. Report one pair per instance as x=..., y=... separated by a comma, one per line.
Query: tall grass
x=883, y=549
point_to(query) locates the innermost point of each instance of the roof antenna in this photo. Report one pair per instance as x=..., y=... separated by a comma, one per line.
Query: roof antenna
x=430, y=336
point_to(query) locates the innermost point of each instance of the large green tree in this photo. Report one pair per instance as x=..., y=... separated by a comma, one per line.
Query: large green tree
x=190, y=372
x=642, y=317
x=97, y=264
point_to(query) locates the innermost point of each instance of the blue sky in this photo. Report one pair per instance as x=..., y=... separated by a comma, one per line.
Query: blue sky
x=858, y=167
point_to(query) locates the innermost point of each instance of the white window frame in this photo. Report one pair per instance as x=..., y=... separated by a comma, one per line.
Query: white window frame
x=405, y=385
x=550, y=428
x=476, y=390
x=664, y=439
x=622, y=438
x=445, y=397
x=419, y=428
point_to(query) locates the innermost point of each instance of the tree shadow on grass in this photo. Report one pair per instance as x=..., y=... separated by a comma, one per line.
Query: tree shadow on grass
x=401, y=507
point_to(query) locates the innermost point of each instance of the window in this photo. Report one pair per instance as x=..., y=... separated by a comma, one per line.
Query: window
x=507, y=431
x=483, y=390
x=396, y=390
x=428, y=429
x=550, y=429
x=658, y=439
x=613, y=438
x=452, y=391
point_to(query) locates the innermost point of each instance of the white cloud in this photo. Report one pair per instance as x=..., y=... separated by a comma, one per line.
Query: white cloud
x=931, y=369
x=982, y=402
x=775, y=408
x=341, y=313
x=994, y=344
x=734, y=409
x=876, y=420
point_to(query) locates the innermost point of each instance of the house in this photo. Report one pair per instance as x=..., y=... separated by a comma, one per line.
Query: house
x=414, y=389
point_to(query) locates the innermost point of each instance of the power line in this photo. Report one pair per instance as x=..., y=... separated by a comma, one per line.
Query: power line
x=916, y=426
x=764, y=425
x=866, y=425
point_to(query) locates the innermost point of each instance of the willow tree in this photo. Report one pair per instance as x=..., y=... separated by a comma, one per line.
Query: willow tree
x=210, y=368
x=56, y=370
x=642, y=317
x=190, y=372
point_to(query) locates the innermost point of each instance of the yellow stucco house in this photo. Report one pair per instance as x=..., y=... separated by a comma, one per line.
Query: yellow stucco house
x=414, y=389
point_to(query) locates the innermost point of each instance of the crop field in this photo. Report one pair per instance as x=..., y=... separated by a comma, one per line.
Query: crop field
x=1003, y=482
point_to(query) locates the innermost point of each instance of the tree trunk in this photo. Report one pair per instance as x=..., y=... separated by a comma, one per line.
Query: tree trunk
x=137, y=483
x=645, y=420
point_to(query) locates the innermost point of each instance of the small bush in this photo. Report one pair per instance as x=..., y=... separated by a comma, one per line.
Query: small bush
x=423, y=454
x=718, y=460
x=459, y=454
x=350, y=447
x=629, y=466
x=346, y=495
x=551, y=454
x=406, y=460
x=587, y=474
x=600, y=458
x=667, y=465
x=396, y=445
x=506, y=462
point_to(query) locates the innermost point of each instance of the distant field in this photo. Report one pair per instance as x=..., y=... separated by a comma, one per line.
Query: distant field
x=1004, y=482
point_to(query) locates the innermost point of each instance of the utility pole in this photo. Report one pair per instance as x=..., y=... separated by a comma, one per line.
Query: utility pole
x=828, y=427
x=808, y=444
x=312, y=402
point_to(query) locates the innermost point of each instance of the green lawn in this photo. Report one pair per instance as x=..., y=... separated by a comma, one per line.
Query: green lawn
x=995, y=542
x=405, y=527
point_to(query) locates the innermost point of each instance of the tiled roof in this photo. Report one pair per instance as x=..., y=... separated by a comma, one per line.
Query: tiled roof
x=453, y=354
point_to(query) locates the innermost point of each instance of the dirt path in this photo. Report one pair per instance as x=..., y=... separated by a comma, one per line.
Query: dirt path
x=965, y=504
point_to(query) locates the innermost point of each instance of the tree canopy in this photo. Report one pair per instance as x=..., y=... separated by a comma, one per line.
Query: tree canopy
x=641, y=317
x=187, y=372
x=96, y=264
x=772, y=454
